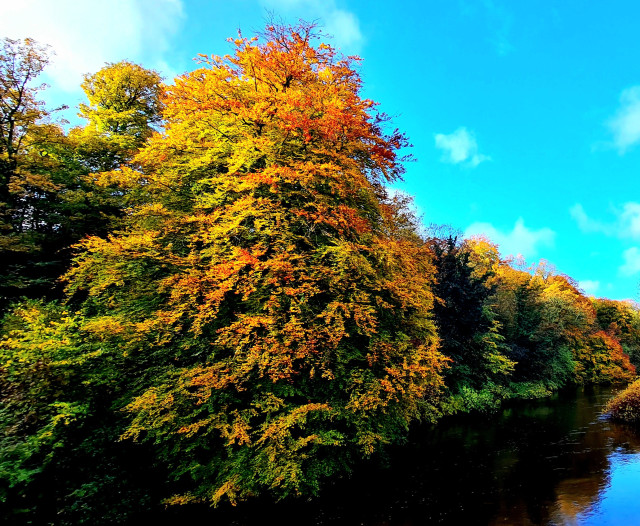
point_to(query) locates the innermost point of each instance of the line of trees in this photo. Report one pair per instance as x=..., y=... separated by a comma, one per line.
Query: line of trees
x=209, y=294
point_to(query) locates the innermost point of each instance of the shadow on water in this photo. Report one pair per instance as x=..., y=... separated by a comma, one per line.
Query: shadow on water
x=554, y=461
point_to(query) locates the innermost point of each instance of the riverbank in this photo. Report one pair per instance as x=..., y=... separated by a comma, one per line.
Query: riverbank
x=553, y=460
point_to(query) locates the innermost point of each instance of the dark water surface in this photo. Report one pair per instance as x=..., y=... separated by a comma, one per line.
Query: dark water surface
x=555, y=461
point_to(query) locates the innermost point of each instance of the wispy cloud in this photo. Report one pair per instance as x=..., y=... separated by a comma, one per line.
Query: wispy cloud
x=500, y=22
x=625, y=124
x=85, y=35
x=625, y=224
x=497, y=19
x=521, y=240
x=339, y=23
x=631, y=265
x=460, y=147
x=588, y=224
x=589, y=286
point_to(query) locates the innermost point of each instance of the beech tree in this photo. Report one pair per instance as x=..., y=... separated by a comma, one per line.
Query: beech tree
x=264, y=314
x=20, y=64
x=621, y=319
x=551, y=329
x=123, y=100
x=279, y=323
x=49, y=199
x=123, y=109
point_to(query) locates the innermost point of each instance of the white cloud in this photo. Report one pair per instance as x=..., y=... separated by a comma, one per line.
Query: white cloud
x=460, y=147
x=589, y=286
x=630, y=219
x=339, y=23
x=626, y=222
x=84, y=35
x=519, y=241
x=587, y=224
x=625, y=125
x=631, y=264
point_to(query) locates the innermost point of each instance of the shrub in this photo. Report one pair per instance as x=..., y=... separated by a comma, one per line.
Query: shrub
x=625, y=406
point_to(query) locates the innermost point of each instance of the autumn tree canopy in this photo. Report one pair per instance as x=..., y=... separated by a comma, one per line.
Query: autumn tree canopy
x=20, y=109
x=21, y=114
x=288, y=328
x=48, y=201
x=122, y=111
x=249, y=310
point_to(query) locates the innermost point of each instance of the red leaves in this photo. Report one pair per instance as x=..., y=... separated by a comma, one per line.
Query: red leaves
x=297, y=97
x=283, y=269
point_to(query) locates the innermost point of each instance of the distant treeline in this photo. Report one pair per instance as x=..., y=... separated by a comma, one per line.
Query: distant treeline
x=209, y=294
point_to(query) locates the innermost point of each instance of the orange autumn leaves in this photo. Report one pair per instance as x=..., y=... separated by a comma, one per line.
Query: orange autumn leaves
x=263, y=313
x=277, y=306
x=261, y=272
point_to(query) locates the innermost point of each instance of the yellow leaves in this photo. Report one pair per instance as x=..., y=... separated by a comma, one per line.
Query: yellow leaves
x=26, y=183
x=124, y=177
x=45, y=340
x=266, y=103
x=134, y=245
x=262, y=269
x=409, y=377
x=556, y=290
x=360, y=311
x=279, y=429
x=325, y=74
x=344, y=219
x=268, y=403
x=108, y=266
x=66, y=413
x=263, y=346
x=123, y=100
x=105, y=326
x=191, y=429
x=201, y=291
x=600, y=358
x=209, y=379
x=154, y=331
x=152, y=409
x=229, y=489
x=370, y=441
x=181, y=500
x=239, y=432
x=484, y=258
x=499, y=364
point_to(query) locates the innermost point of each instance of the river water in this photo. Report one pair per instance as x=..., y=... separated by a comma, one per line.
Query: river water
x=554, y=461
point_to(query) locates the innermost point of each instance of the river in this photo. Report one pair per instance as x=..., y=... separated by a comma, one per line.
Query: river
x=553, y=461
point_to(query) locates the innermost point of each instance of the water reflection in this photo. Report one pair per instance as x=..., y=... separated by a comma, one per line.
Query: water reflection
x=548, y=462
x=618, y=502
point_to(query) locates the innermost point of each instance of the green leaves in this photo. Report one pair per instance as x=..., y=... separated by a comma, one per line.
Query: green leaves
x=261, y=277
x=248, y=310
x=124, y=103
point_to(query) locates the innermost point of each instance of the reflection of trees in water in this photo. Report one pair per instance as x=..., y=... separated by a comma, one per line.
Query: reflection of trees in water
x=577, y=496
x=542, y=463
x=566, y=476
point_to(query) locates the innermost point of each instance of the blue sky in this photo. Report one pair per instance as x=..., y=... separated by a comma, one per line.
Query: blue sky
x=524, y=116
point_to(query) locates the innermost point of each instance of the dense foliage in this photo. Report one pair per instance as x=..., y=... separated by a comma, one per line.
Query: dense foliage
x=249, y=310
x=48, y=198
x=287, y=323
x=625, y=406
